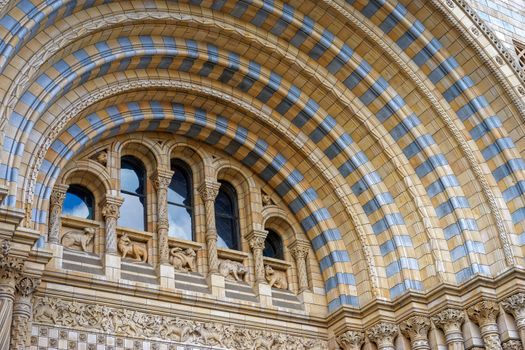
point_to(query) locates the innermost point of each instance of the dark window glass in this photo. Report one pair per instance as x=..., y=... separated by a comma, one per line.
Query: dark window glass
x=226, y=217
x=180, y=202
x=273, y=246
x=132, y=188
x=79, y=202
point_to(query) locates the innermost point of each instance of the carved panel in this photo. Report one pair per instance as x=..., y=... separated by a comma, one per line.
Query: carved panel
x=123, y=326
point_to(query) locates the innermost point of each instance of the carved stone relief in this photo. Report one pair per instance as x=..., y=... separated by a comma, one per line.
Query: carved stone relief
x=183, y=259
x=131, y=249
x=131, y=323
x=275, y=279
x=233, y=270
x=79, y=240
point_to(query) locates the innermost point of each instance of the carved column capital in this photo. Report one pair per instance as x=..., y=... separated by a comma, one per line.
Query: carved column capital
x=111, y=207
x=26, y=286
x=512, y=345
x=449, y=320
x=58, y=194
x=383, y=334
x=10, y=267
x=256, y=239
x=515, y=305
x=300, y=249
x=484, y=313
x=416, y=328
x=351, y=340
x=209, y=190
x=161, y=178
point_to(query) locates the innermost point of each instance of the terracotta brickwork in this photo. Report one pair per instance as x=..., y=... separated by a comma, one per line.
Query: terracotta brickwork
x=354, y=175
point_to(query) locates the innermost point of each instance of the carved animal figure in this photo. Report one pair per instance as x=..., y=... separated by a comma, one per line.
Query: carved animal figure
x=80, y=239
x=208, y=335
x=183, y=259
x=134, y=250
x=274, y=279
x=234, y=269
x=46, y=313
x=267, y=343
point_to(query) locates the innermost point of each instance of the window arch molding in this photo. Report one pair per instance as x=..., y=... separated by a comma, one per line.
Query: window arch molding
x=144, y=150
x=197, y=161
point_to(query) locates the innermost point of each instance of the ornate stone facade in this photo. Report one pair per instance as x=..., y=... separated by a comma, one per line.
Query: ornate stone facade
x=270, y=175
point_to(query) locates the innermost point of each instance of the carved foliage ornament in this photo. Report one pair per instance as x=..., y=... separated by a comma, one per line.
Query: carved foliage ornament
x=383, y=334
x=512, y=345
x=516, y=305
x=26, y=286
x=209, y=191
x=10, y=267
x=351, y=340
x=416, y=328
x=449, y=320
x=484, y=312
x=58, y=312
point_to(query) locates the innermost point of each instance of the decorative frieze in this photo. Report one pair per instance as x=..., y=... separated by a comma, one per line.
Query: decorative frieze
x=136, y=324
x=383, y=334
x=351, y=340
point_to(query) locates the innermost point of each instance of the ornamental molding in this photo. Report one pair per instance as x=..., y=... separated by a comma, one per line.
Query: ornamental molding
x=126, y=322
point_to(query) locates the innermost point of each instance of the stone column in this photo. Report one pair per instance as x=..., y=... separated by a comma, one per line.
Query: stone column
x=55, y=204
x=515, y=305
x=10, y=270
x=209, y=191
x=22, y=312
x=256, y=240
x=351, y=340
x=450, y=321
x=299, y=250
x=484, y=314
x=111, y=213
x=161, y=181
x=383, y=334
x=416, y=329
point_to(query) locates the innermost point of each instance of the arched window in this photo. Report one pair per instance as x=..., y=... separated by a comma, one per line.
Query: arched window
x=180, y=202
x=79, y=202
x=273, y=246
x=226, y=217
x=132, y=189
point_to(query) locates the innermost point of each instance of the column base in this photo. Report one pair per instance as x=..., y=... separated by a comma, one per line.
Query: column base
x=167, y=276
x=56, y=261
x=263, y=292
x=112, y=267
x=217, y=284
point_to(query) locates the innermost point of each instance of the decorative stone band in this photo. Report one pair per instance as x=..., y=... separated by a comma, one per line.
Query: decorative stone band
x=136, y=324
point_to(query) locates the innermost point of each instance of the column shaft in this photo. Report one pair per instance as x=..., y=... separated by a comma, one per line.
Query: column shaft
x=10, y=269
x=111, y=213
x=57, y=199
x=208, y=192
x=256, y=239
x=299, y=251
x=22, y=311
x=161, y=181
